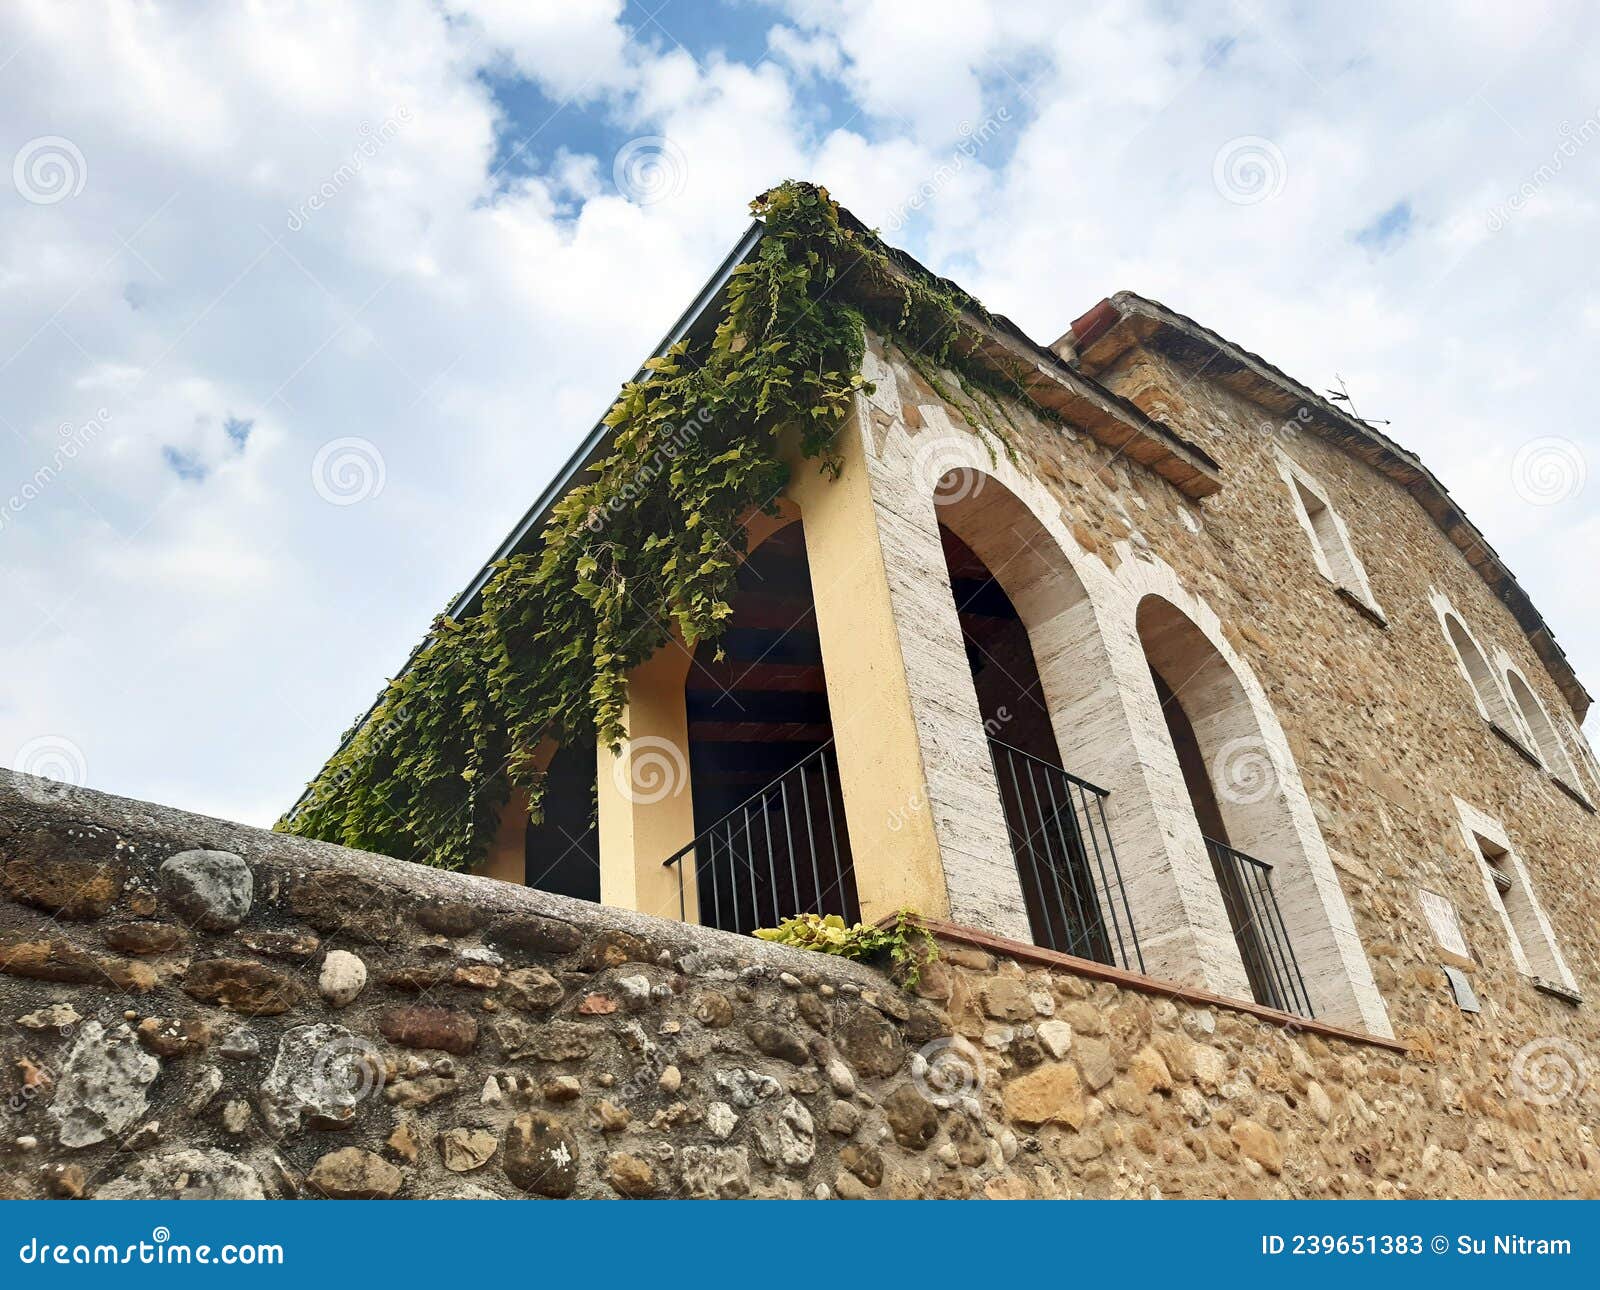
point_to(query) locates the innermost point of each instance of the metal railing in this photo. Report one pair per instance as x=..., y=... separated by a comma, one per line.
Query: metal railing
x=782, y=851
x=1071, y=881
x=1264, y=945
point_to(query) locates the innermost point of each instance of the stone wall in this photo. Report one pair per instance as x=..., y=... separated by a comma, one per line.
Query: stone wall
x=1119, y=1092
x=195, y=1008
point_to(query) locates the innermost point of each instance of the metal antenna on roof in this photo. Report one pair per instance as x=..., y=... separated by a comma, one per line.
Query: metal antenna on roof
x=1342, y=395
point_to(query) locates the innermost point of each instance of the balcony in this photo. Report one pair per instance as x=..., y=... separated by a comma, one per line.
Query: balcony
x=1264, y=945
x=1061, y=841
x=784, y=850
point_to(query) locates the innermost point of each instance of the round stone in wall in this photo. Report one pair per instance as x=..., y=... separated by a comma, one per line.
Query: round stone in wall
x=343, y=977
x=211, y=889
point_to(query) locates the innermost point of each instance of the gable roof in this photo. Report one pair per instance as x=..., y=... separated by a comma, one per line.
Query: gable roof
x=1126, y=319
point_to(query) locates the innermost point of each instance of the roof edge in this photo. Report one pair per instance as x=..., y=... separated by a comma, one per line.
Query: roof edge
x=1126, y=319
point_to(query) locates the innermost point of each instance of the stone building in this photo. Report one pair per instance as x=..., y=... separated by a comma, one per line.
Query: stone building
x=1240, y=782
x=1200, y=677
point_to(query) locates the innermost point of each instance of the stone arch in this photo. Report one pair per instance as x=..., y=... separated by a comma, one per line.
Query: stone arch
x=1047, y=592
x=1107, y=724
x=1471, y=658
x=1552, y=751
x=1041, y=567
x=1104, y=708
x=1261, y=802
x=1060, y=677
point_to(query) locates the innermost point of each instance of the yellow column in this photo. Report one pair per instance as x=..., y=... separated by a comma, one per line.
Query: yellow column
x=506, y=858
x=887, y=812
x=646, y=811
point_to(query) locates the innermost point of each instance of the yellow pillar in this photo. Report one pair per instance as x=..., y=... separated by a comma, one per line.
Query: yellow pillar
x=646, y=811
x=886, y=806
x=506, y=858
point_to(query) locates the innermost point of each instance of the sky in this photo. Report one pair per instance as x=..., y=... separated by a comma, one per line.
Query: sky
x=301, y=305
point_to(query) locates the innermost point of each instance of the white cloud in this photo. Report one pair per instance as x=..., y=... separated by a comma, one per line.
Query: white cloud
x=575, y=50
x=808, y=55
x=289, y=218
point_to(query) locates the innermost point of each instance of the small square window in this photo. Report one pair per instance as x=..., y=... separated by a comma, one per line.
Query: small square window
x=1530, y=931
x=1335, y=557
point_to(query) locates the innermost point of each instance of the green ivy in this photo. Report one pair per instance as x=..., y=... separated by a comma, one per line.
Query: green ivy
x=907, y=944
x=648, y=546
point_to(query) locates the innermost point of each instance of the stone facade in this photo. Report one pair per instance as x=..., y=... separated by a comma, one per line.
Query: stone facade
x=1076, y=537
x=197, y=1009
x=1117, y=1092
x=1363, y=721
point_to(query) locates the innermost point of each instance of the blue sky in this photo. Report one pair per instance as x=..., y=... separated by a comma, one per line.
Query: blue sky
x=300, y=309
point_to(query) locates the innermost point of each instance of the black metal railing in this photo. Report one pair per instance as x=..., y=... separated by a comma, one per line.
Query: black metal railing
x=1264, y=945
x=1071, y=881
x=782, y=851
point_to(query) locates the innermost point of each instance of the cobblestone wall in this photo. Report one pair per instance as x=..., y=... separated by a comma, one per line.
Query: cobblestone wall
x=1116, y=1092
x=196, y=1008
x=193, y=1008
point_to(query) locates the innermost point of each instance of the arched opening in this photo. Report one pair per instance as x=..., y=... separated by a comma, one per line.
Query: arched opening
x=1237, y=802
x=561, y=852
x=1479, y=675
x=1040, y=801
x=1336, y=552
x=1041, y=679
x=770, y=836
x=1551, y=749
x=1229, y=873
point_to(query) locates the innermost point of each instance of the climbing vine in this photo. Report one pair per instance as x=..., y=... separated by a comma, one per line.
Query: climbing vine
x=648, y=545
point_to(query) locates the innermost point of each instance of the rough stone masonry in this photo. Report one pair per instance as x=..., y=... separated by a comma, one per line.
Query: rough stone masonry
x=190, y=1008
